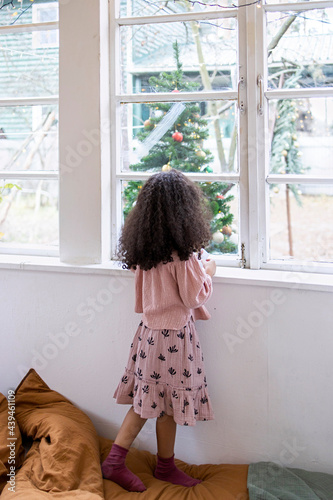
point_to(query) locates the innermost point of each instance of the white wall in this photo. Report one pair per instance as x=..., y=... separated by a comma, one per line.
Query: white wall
x=271, y=389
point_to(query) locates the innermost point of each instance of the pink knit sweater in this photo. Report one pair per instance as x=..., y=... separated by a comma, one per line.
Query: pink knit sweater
x=169, y=294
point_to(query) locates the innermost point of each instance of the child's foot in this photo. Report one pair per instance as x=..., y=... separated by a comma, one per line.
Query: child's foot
x=166, y=470
x=114, y=469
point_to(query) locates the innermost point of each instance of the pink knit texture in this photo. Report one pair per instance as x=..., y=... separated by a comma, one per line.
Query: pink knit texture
x=169, y=294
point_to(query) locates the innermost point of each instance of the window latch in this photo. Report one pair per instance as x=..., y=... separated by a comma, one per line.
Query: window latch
x=240, y=104
x=260, y=83
x=243, y=259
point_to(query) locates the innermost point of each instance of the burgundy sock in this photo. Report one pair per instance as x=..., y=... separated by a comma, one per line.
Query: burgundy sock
x=166, y=470
x=114, y=468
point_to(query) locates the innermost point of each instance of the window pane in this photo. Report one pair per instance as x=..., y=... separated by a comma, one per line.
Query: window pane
x=307, y=232
x=137, y=8
x=302, y=56
x=29, y=138
x=24, y=11
x=224, y=202
x=192, y=137
x=223, y=199
x=302, y=136
x=29, y=64
x=30, y=214
x=207, y=52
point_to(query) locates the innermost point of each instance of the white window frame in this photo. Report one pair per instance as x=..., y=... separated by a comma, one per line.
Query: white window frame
x=237, y=95
x=254, y=209
x=89, y=191
x=260, y=255
x=23, y=249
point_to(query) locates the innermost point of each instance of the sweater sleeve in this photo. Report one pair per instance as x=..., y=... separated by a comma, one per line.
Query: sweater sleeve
x=194, y=284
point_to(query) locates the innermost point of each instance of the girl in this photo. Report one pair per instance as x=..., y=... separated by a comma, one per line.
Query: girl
x=164, y=377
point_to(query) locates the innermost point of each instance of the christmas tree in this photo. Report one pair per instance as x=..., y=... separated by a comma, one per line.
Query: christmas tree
x=285, y=154
x=173, y=137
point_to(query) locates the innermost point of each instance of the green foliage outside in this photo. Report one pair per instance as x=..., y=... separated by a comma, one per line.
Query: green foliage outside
x=285, y=154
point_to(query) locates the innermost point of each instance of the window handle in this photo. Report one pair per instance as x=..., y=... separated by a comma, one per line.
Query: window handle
x=260, y=83
x=240, y=104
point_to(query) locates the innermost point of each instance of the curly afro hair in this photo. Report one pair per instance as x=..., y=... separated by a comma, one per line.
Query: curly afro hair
x=171, y=214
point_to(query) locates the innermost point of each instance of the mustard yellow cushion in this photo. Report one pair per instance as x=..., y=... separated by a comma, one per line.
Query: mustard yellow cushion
x=219, y=482
x=65, y=453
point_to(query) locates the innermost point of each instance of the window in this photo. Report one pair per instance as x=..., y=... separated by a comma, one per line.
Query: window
x=297, y=122
x=175, y=106
x=29, y=129
x=249, y=116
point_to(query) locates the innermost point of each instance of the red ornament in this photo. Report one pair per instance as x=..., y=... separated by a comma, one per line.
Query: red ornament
x=175, y=90
x=177, y=136
x=220, y=196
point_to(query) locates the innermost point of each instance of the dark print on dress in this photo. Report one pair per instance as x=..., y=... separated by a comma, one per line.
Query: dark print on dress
x=173, y=367
x=186, y=403
x=141, y=323
x=173, y=349
x=162, y=414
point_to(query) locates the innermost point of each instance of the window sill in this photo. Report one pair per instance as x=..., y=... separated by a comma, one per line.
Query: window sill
x=224, y=275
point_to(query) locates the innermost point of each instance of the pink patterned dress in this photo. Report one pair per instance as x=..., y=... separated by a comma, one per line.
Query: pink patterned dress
x=165, y=370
